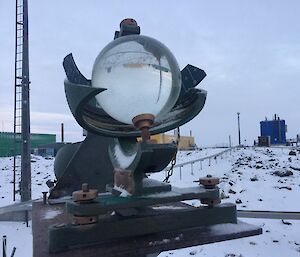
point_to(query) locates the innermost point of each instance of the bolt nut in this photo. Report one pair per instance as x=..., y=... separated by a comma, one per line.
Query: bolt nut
x=211, y=202
x=85, y=187
x=85, y=195
x=209, y=182
x=84, y=220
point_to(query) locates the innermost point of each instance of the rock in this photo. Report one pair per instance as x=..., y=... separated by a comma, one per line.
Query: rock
x=288, y=188
x=286, y=222
x=223, y=195
x=238, y=201
x=275, y=241
x=295, y=168
x=194, y=252
x=231, y=191
x=283, y=173
x=260, y=199
x=292, y=153
x=258, y=167
x=252, y=243
x=254, y=178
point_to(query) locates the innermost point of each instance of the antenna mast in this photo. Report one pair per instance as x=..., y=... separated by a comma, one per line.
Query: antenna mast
x=21, y=103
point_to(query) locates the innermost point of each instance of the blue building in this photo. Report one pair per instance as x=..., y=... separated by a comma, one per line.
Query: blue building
x=276, y=129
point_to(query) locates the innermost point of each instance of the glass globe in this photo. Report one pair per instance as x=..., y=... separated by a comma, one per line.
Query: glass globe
x=141, y=76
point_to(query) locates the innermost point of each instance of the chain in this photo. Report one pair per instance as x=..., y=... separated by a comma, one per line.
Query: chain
x=173, y=161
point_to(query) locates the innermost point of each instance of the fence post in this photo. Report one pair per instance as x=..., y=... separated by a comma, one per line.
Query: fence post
x=13, y=252
x=192, y=168
x=200, y=165
x=4, y=246
x=209, y=161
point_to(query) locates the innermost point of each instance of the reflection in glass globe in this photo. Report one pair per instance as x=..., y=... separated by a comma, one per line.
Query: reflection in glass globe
x=141, y=76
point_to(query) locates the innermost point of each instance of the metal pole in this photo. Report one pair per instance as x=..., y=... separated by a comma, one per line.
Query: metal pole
x=239, y=130
x=13, y=252
x=62, y=133
x=15, y=105
x=25, y=158
x=4, y=246
x=27, y=218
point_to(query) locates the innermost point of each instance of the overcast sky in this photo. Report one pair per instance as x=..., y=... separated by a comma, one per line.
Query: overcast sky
x=250, y=51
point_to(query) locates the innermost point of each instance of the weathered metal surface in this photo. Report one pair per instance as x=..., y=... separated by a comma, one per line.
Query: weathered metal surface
x=123, y=179
x=144, y=122
x=211, y=202
x=147, y=158
x=85, y=194
x=108, y=202
x=84, y=220
x=150, y=186
x=88, y=163
x=133, y=246
x=147, y=221
x=209, y=181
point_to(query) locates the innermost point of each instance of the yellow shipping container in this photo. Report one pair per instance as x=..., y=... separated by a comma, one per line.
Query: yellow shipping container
x=185, y=142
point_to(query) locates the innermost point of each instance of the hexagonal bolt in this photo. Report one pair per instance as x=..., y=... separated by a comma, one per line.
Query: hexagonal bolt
x=84, y=220
x=210, y=202
x=209, y=181
x=85, y=187
x=85, y=195
x=44, y=197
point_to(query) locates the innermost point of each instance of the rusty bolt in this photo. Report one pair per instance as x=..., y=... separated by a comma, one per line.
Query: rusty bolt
x=85, y=187
x=209, y=181
x=85, y=194
x=44, y=197
x=211, y=202
x=84, y=220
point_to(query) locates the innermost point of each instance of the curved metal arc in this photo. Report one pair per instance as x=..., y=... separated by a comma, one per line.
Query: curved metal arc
x=96, y=120
x=78, y=97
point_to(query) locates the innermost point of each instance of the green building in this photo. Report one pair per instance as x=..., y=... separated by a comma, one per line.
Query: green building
x=7, y=142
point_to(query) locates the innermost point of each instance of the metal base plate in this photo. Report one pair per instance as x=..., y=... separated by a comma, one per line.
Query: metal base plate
x=45, y=216
x=107, y=202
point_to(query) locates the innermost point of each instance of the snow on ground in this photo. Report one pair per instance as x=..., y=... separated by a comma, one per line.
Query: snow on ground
x=246, y=178
x=19, y=236
x=277, y=240
x=41, y=171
